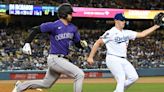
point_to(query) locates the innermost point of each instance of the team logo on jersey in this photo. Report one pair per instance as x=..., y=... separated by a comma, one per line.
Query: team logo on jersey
x=64, y=36
x=121, y=39
x=59, y=27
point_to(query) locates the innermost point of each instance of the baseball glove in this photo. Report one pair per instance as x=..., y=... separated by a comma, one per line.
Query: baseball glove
x=159, y=19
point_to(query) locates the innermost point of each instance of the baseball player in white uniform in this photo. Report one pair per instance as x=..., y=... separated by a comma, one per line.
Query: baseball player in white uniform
x=116, y=41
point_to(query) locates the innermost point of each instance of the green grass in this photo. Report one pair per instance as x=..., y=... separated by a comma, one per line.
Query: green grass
x=109, y=87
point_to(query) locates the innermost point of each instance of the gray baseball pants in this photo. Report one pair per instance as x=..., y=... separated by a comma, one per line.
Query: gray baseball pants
x=56, y=67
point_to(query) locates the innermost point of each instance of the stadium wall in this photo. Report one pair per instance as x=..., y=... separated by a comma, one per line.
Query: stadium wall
x=89, y=73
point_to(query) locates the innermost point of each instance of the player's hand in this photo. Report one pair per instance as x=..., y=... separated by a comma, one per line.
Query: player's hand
x=90, y=60
x=83, y=43
x=27, y=49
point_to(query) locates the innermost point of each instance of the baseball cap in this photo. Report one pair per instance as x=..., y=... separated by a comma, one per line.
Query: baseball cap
x=119, y=16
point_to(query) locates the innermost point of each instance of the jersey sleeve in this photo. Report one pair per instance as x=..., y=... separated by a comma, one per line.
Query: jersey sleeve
x=76, y=36
x=131, y=34
x=106, y=37
x=46, y=27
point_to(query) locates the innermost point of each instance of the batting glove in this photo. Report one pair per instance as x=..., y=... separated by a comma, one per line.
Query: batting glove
x=83, y=43
x=27, y=49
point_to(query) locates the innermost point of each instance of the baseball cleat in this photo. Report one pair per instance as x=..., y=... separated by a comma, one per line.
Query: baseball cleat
x=39, y=89
x=15, y=88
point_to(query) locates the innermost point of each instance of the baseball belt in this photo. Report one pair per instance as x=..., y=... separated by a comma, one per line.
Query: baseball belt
x=117, y=56
x=61, y=56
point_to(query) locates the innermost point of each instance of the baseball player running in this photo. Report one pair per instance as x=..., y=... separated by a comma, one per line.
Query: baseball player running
x=116, y=41
x=61, y=33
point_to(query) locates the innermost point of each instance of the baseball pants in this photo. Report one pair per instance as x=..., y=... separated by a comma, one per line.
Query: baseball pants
x=122, y=70
x=56, y=67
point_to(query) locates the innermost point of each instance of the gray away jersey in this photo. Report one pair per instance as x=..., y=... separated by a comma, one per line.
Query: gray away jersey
x=61, y=36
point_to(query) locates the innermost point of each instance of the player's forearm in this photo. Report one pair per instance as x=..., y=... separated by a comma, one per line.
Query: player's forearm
x=94, y=49
x=147, y=31
x=34, y=31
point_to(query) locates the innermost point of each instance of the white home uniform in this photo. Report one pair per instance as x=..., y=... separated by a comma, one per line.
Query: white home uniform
x=116, y=42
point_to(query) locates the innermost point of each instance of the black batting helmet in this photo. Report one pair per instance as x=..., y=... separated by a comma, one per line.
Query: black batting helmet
x=64, y=10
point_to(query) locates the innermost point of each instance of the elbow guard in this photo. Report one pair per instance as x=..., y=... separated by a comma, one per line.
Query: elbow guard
x=33, y=33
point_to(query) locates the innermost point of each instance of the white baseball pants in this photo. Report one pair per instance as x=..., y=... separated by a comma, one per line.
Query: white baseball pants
x=122, y=70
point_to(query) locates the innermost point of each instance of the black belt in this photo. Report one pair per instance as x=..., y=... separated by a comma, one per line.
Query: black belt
x=58, y=55
x=117, y=56
x=61, y=56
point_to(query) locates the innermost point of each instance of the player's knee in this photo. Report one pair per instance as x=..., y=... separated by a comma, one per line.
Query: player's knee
x=134, y=78
x=47, y=86
x=80, y=75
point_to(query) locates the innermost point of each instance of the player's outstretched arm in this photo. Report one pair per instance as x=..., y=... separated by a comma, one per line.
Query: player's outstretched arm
x=158, y=21
x=97, y=44
x=27, y=48
x=147, y=31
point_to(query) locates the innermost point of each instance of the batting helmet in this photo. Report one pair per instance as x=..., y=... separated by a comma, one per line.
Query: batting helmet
x=64, y=10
